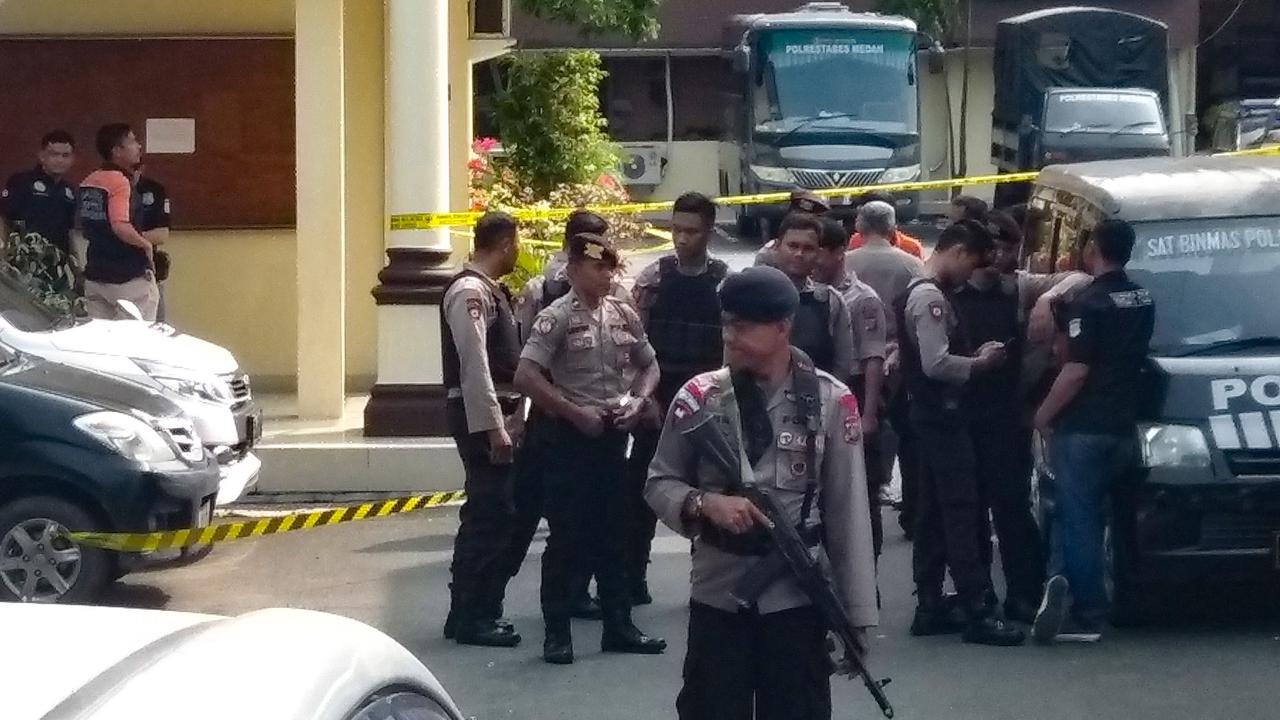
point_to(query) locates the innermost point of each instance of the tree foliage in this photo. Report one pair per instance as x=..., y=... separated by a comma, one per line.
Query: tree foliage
x=549, y=118
x=939, y=18
x=636, y=19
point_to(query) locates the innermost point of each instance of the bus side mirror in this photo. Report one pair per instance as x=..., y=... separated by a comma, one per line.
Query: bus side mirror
x=742, y=59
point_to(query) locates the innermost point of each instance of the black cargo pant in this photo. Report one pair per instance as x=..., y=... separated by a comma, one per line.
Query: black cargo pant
x=531, y=465
x=484, y=533
x=585, y=507
x=948, y=510
x=1002, y=449
x=775, y=663
x=642, y=522
x=899, y=413
x=877, y=474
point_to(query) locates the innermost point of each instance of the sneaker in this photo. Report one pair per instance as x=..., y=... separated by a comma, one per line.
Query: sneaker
x=1079, y=631
x=1052, y=612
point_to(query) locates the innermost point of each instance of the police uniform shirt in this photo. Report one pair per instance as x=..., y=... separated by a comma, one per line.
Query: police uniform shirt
x=1109, y=329
x=470, y=308
x=930, y=323
x=529, y=303
x=839, y=324
x=888, y=271
x=867, y=315
x=153, y=205
x=840, y=503
x=42, y=203
x=593, y=356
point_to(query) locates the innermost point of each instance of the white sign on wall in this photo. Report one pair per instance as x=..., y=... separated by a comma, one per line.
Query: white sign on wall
x=171, y=136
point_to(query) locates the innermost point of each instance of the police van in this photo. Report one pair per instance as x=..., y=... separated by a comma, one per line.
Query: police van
x=1206, y=499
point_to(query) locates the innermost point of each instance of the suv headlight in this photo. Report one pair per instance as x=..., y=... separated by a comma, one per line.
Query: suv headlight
x=771, y=174
x=906, y=173
x=188, y=383
x=1167, y=446
x=127, y=435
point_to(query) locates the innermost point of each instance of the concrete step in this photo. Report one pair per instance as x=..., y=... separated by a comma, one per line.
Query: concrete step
x=342, y=464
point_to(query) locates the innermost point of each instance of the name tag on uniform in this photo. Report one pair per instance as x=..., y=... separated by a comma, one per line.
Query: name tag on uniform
x=582, y=342
x=792, y=441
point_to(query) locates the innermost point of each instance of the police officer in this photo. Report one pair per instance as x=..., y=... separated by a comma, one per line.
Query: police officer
x=994, y=306
x=41, y=201
x=153, y=220
x=937, y=365
x=604, y=375
x=821, y=324
x=768, y=661
x=677, y=301
x=867, y=315
x=1090, y=418
x=480, y=347
x=801, y=201
x=537, y=294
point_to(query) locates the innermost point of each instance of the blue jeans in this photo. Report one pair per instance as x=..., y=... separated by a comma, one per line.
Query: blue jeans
x=1085, y=468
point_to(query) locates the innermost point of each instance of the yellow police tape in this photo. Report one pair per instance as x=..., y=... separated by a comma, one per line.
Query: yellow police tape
x=226, y=532
x=428, y=221
x=659, y=233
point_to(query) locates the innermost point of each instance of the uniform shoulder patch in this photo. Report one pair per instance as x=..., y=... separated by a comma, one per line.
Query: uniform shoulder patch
x=691, y=398
x=544, y=324
x=475, y=308
x=852, y=418
x=935, y=310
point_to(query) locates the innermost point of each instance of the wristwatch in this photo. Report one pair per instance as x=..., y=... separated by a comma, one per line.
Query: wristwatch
x=692, y=509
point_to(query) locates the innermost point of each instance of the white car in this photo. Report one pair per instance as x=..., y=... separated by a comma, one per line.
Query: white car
x=202, y=378
x=100, y=663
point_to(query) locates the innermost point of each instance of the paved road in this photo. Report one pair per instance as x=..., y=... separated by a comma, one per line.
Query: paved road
x=392, y=573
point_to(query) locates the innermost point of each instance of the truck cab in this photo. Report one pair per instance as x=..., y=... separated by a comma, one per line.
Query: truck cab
x=1075, y=85
x=1206, y=499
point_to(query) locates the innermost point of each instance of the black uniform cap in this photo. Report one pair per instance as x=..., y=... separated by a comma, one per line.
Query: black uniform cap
x=809, y=202
x=759, y=294
x=593, y=246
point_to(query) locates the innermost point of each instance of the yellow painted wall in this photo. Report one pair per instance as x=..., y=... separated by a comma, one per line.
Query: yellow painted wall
x=933, y=118
x=234, y=288
x=150, y=17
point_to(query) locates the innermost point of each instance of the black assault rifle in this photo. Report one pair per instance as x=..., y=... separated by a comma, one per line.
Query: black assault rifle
x=790, y=554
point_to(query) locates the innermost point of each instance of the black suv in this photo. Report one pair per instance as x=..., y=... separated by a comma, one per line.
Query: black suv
x=82, y=451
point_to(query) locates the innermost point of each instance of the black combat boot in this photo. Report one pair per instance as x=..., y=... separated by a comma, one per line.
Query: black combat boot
x=557, y=648
x=935, y=616
x=985, y=628
x=486, y=633
x=622, y=636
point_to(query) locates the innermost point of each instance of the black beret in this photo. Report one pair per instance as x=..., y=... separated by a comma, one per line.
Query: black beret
x=759, y=294
x=809, y=202
x=591, y=245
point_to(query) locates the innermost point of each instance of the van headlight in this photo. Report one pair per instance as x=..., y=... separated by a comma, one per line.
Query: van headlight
x=126, y=435
x=906, y=173
x=1172, y=446
x=188, y=383
x=771, y=174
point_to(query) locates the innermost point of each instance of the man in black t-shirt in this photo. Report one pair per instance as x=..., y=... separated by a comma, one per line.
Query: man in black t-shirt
x=1090, y=418
x=152, y=219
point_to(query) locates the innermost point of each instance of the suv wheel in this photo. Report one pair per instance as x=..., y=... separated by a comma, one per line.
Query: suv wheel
x=38, y=563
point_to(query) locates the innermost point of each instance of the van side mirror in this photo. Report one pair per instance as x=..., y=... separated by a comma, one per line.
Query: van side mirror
x=742, y=59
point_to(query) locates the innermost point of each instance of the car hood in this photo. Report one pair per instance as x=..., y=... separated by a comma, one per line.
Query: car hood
x=155, y=343
x=86, y=386
x=1237, y=395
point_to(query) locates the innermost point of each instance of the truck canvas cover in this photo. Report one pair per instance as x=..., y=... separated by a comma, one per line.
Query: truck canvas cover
x=1075, y=47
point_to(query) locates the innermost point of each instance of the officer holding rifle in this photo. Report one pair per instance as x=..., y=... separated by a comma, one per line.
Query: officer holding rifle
x=767, y=443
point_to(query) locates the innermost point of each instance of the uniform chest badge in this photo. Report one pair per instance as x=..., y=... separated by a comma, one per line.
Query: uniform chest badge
x=148, y=198
x=70, y=195
x=39, y=186
x=1073, y=328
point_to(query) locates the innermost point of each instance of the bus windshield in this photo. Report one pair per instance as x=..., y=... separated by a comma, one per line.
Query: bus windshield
x=1213, y=280
x=833, y=80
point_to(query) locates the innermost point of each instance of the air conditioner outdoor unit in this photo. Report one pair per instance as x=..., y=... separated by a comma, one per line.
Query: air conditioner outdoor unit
x=642, y=164
x=490, y=18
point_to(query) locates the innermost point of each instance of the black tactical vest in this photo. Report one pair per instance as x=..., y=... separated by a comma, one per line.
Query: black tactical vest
x=991, y=315
x=502, y=340
x=926, y=393
x=684, y=324
x=811, y=329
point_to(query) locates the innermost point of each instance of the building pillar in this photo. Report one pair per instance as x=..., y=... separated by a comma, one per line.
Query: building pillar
x=408, y=398
x=321, y=208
